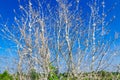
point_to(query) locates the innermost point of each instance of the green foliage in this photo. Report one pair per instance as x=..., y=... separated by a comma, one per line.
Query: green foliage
x=34, y=75
x=86, y=79
x=53, y=73
x=118, y=76
x=5, y=76
x=103, y=73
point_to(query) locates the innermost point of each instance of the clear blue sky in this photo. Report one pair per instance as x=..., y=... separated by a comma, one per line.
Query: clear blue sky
x=7, y=6
x=6, y=11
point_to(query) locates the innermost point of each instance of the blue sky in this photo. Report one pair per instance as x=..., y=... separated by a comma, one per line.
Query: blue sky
x=6, y=11
x=7, y=6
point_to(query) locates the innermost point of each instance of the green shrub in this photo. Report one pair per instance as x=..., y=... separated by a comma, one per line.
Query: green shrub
x=53, y=73
x=6, y=76
x=34, y=75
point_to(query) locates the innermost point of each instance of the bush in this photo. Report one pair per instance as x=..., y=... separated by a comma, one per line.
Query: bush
x=5, y=76
x=34, y=75
x=53, y=73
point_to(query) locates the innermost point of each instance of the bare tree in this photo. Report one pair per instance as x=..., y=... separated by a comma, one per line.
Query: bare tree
x=29, y=34
x=86, y=36
x=62, y=36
